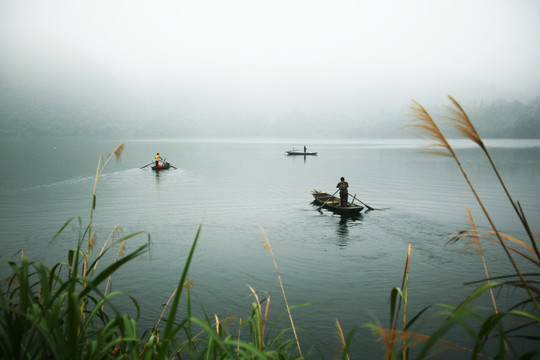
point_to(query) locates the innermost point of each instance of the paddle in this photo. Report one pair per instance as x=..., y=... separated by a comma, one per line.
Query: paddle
x=324, y=203
x=366, y=205
x=147, y=165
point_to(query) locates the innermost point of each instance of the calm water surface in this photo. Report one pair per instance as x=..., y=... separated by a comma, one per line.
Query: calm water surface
x=346, y=267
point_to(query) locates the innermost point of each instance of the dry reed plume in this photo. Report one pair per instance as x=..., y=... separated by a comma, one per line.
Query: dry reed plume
x=269, y=248
x=426, y=126
x=342, y=341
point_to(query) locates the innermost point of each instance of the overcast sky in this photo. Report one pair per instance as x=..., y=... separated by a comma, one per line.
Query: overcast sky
x=325, y=53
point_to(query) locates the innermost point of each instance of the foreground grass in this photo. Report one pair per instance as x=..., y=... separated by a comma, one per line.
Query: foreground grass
x=67, y=311
x=487, y=332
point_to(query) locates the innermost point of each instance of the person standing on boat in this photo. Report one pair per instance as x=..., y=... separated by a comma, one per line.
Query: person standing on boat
x=158, y=158
x=343, y=192
x=305, y=148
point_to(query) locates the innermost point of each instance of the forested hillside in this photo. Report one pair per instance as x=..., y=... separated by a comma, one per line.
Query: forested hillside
x=52, y=113
x=504, y=119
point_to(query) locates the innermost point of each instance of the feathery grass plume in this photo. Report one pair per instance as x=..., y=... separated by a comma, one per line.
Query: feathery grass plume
x=342, y=343
x=427, y=127
x=510, y=239
x=390, y=336
x=189, y=284
x=118, y=153
x=464, y=125
x=387, y=336
x=92, y=240
x=269, y=248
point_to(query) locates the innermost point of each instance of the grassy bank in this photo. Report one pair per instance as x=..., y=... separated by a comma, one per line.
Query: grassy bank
x=67, y=311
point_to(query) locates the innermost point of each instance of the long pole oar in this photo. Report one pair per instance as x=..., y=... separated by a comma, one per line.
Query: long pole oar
x=147, y=165
x=324, y=203
x=366, y=205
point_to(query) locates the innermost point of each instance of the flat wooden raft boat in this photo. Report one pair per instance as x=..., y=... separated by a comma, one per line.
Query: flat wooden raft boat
x=165, y=166
x=333, y=203
x=296, y=152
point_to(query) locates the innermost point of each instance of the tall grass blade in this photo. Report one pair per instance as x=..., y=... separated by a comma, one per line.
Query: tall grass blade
x=169, y=332
x=269, y=248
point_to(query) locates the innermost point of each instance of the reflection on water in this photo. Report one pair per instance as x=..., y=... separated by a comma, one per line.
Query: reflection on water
x=344, y=223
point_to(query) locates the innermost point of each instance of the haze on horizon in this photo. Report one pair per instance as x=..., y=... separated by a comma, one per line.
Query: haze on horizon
x=252, y=60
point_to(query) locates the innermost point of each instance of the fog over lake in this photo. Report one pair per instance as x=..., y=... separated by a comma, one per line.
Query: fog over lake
x=250, y=68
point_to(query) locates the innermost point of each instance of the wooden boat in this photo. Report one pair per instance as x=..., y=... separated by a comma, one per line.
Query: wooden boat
x=164, y=166
x=297, y=152
x=333, y=203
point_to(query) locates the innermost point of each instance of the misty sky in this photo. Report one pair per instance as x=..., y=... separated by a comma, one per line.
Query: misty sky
x=297, y=52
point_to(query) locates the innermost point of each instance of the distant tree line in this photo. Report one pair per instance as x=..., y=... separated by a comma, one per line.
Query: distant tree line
x=47, y=116
x=504, y=119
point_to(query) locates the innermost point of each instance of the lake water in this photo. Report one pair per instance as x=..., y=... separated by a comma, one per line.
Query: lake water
x=346, y=267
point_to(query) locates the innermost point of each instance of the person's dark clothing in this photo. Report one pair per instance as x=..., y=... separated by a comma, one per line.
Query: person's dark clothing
x=343, y=192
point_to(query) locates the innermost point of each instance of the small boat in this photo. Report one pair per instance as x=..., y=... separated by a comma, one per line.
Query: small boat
x=164, y=166
x=297, y=152
x=333, y=203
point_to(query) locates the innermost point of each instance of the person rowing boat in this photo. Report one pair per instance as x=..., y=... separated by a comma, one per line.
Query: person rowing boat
x=157, y=158
x=343, y=192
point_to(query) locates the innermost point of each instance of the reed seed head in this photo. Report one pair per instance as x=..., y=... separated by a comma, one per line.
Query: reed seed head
x=122, y=249
x=118, y=151
x=460, y=120
x=92, y=240
x=426, y=127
